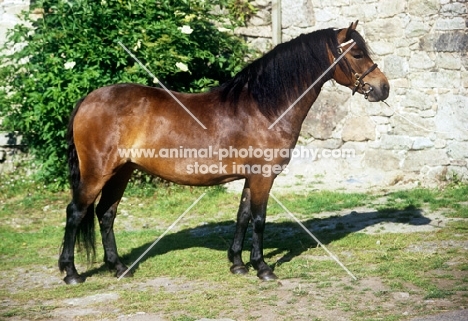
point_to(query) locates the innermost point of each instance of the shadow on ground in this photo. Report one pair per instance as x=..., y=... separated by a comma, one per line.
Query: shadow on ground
x=282, y=237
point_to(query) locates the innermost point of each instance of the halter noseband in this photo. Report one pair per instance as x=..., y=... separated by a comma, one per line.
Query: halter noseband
x=358, y=82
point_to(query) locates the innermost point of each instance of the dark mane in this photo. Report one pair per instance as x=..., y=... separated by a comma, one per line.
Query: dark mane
x=284, y=73
x=356, y=36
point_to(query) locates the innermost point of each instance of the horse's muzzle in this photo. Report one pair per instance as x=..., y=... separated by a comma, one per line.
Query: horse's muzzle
x=376, y=93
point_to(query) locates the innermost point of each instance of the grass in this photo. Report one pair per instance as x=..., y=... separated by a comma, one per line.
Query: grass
x=453, y=200
x=185, y=277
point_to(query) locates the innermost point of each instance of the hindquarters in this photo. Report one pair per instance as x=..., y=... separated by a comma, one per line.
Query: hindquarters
x=84, y=221
x=94, y=169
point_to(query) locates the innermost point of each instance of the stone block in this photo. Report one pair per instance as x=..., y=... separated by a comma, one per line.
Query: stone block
x=440, y=143
x=261, y=18
x=299, y=13
x=416, y=160
x=358, y=129
x=383, y=160
x=419, y=99
x=448, y=60
x=412, y=124
x=428, y=7
x=381, y=48
x=387, y=9
x=452, y=117
x=429, y=113
x=395, y=142
x=380, y=120
x=326, y=113
x=448, y=41
x=386, y=28
x=396, y=67
x=378, y=109
x=421, y=60
x=417, y=28
x=261, y=3
x=383, y=129
x=464, y=75
x=326, y=14
x=456, y=8
x=332, y=143
x=449, y=24
x=457, y=150
x=440, y=79
x=261, y=44
x=422, y=143
x=258, y=31
x=398, y=83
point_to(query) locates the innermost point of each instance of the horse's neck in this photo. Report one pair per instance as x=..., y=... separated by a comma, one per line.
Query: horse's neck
x=293, y=117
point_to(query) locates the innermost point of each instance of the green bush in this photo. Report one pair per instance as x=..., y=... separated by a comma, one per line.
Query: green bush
x=66, y=49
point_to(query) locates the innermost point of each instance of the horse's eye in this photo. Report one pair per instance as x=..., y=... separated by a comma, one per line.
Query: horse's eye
x=358, y=56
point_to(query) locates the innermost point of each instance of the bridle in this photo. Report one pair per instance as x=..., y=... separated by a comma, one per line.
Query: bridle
x=359, y=79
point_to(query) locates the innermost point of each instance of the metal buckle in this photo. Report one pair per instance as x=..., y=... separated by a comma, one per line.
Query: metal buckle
x=366, y=92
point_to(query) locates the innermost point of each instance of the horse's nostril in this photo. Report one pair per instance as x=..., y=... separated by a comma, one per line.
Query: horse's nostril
x=385, y=90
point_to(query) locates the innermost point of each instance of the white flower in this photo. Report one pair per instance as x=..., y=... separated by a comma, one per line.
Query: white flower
x=182, y=66
x=69, y=64
x=186, y=29
x=155, y=81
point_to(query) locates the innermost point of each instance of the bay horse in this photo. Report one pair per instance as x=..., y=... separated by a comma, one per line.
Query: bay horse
x=238, y=116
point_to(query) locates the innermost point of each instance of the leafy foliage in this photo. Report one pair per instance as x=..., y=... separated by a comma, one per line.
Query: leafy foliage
x=66, y=49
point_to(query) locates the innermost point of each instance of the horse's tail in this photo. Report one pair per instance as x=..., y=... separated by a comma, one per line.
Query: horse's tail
x=73, y=165
x=85, y=233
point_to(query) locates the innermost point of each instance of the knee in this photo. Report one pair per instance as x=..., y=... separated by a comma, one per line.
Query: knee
x=106, y=219
x=259, y=225
x=74, y=215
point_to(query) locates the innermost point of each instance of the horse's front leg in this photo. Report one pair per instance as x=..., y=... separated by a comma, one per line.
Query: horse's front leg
x=243, y=219
x=259, y=201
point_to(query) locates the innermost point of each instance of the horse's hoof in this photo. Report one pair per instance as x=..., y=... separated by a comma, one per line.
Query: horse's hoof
x=76, y=279
x=239, y=269
x=119, y=274
x=267, y=276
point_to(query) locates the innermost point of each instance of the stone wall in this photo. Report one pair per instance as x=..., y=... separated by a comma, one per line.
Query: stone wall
x=10, y=143
x=422, y=136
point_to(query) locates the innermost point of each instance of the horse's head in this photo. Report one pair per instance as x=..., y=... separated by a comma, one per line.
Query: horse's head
x=356, y=70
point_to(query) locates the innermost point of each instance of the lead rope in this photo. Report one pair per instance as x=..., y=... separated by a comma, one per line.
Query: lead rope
x=412, y=122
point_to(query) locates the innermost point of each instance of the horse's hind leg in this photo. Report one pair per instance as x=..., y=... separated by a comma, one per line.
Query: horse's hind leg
x=76, y=214
x=243, y=219
x=79, y=226
x=106, y=211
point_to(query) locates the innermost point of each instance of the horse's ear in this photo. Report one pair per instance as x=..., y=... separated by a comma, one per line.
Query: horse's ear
x=351, y=28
